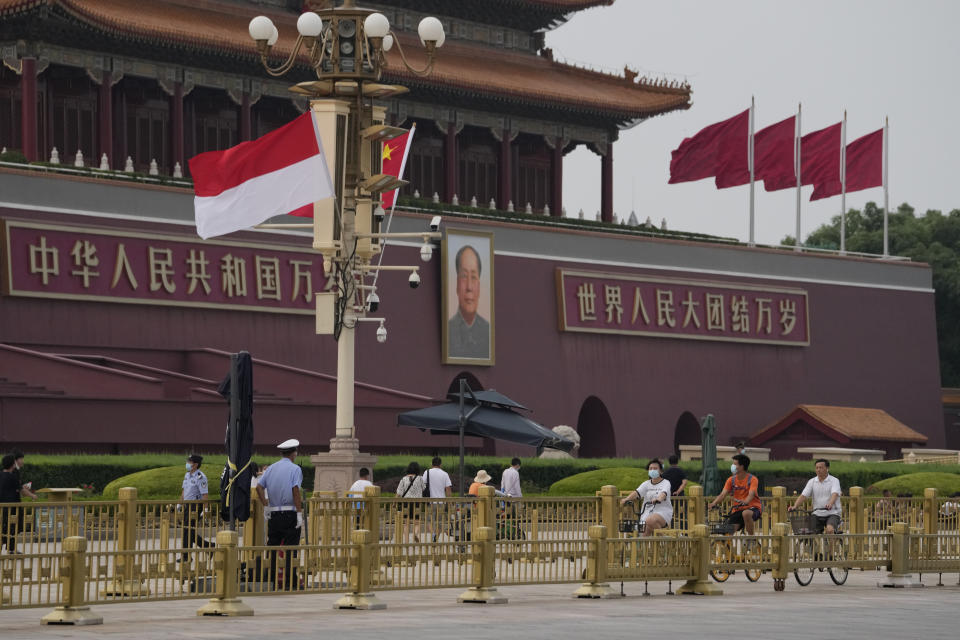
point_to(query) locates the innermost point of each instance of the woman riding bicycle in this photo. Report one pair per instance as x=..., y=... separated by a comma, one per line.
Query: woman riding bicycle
x=746, y=503
x=656, y=511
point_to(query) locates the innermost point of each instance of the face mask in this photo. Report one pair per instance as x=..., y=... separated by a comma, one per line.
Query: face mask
x=653, y=473
x=733, y=468
x=189, y=467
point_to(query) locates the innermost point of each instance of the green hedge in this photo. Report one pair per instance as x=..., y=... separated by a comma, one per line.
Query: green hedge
x=162, y=483
x=914, y=483
x=536, y=475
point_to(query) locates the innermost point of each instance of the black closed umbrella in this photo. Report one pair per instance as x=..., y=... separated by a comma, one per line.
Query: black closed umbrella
x=237, y=389
x=483, y=414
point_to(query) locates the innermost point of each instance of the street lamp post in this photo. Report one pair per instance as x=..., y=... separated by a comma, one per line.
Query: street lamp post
x=346, y=47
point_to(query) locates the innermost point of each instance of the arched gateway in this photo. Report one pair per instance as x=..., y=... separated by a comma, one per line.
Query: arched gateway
x=595, y=427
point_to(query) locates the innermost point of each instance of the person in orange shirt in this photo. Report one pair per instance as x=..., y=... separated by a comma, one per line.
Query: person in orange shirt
x=744, y=487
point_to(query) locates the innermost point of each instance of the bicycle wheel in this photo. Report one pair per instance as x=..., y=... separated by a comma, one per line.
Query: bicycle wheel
x=804, y=575
x=751, y=554
x=838, y=574
x=721, y=552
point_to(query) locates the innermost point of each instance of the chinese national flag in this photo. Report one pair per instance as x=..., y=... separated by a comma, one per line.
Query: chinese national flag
x=394, y=161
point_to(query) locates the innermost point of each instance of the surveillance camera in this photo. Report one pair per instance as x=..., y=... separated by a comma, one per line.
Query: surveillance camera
x=426, y=252
x=435, y=223
x=381, y=334
x=373, y=302
x=379, y=213
x=414, y=280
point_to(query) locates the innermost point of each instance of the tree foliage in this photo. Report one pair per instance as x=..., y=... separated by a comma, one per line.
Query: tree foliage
x=933, y=238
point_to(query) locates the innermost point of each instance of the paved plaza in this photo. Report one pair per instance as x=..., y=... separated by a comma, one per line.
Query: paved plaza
x=856, y=610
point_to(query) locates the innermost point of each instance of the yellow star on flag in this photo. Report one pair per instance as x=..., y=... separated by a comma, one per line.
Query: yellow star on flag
x=387, y=151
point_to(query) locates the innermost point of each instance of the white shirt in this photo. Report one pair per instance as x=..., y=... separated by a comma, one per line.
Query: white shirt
x=357, y=487
x=648, y=492
x=510, y=482
x=439, y=480
x=820, y=492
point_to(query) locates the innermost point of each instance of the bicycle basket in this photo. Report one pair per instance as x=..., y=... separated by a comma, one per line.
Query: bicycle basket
x=800, y=522
x=721, y=528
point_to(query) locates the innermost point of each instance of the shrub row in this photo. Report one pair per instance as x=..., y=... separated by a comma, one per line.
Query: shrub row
x=537, y=475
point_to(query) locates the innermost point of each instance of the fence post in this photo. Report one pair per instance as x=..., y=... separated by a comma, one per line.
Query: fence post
x=483, y=569
x=227, y=565
x=700, y=585
x=124, y=582
x=779, y=505
x=696, y=508
x=360, y=569
x=781, y=530
x=73, y=576
x=253, y=527
x=899, y=575
x=930, y=511
x=596, y=571
x=856, y=517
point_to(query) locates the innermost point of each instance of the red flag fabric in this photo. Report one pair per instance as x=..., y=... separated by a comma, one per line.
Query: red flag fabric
x=864, y=167
x=707, y=153
x=819, y=160
x=276, y=174
x=393, y=161
x=772, y=155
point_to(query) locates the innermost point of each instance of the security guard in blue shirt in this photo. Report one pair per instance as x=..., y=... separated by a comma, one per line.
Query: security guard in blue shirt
x=194, y=488
x=280, y=489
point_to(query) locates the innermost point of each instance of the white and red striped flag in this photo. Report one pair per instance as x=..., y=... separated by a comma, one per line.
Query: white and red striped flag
x=279, y=173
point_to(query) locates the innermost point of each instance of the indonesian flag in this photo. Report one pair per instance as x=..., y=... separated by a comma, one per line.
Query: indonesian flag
x=283, y=172
x=394, y=160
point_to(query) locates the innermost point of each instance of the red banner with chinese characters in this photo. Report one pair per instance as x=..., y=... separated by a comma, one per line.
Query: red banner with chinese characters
x=597, y=302
x=82, y=263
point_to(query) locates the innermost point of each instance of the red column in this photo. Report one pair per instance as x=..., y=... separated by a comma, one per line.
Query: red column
x=245, y=116
x=106, y=119
x=606, y=185
x=452, y=160
x=504, y=188
x=556, y=207
x=176, y=117
x=28, y=107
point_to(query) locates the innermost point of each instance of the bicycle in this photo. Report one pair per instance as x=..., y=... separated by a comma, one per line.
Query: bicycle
x=730, y=550
x=803, y=524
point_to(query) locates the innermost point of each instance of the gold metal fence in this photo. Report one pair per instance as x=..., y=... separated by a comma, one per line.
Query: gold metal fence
x=30, y=580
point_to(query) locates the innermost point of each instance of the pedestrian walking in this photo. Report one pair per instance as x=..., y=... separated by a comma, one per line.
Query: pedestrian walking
x=194, y=495
x=280, y=489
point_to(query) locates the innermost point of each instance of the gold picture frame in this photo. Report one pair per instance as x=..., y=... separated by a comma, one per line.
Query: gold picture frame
x=467, y=304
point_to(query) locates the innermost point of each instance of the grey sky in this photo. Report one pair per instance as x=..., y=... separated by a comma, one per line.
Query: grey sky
x=874, y=58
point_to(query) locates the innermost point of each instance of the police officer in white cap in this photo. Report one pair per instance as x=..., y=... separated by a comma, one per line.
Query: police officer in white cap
x=280, y=489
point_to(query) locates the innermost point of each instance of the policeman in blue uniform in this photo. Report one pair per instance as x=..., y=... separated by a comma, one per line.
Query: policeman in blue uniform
x=194, y=489
x=280, y=489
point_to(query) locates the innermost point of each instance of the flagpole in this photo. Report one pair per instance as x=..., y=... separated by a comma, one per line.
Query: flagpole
x=796, y=169
x=886, y=186
x=396, y=196
x=750, y=151
x=843, y=185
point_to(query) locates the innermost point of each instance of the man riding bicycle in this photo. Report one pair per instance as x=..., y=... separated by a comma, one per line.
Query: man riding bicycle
x=824, y=491
x=744, y=487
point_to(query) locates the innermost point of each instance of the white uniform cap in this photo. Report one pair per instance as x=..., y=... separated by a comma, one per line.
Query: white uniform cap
x=292, y=443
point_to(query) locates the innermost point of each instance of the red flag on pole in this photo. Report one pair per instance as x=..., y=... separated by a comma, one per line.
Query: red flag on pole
x=394, y=160
x=773, y=156
x=819, y=160
x=864, y=167
x=707, y=153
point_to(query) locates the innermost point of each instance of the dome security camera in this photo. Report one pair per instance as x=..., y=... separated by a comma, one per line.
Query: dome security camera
x=379, y=213
x=414, y=280
x=373, y=302
x=381, y=334
x=426, y=252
